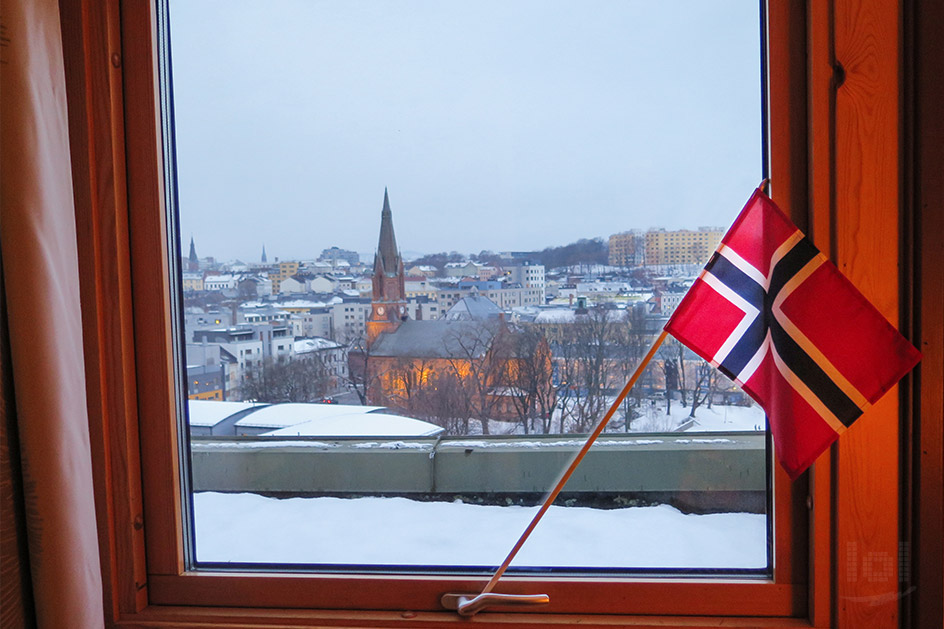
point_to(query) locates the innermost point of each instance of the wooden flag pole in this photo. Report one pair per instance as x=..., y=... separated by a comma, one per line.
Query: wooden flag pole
x=469, y=606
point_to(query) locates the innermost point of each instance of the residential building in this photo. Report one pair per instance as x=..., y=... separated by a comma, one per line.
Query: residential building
x=627, y=248
x=682, y=246
x=285, y=270
x=462, y=269
x=334, y=254
x=422, y=270
x=349, y=318
x=528, y=275
x=332, y=356
x=313, y=322
x=192, y=281
x=219, y=282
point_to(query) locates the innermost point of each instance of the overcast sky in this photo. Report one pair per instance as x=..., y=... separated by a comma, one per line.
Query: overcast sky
x=495, y=124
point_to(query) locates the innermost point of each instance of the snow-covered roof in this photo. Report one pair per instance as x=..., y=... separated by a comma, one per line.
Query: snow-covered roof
x=566, y=315
x=474, y=308
x=290, y=414
x=303, y=346
x=211, y=412
x=359, y=425
x=557, y=315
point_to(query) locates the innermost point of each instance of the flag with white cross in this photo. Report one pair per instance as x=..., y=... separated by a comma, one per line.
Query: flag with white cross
x=774, y=315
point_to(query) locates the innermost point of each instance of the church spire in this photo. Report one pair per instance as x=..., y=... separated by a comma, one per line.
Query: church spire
x=264, y=260
x=389, y=304
x=193, y=262
x=388, y=256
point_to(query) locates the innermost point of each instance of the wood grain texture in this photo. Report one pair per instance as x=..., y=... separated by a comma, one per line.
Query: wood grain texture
x=151, y=290
x=821, y=108
x=184, y=618
x=788, y=168
x=927, y=550
x=94, y=89
x=866, y=219
x=365, y=592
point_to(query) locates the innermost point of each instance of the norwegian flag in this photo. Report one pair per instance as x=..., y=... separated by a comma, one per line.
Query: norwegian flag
x=774, y=315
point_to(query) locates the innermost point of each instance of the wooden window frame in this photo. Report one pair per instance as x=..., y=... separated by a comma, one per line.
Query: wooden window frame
x=820, y=177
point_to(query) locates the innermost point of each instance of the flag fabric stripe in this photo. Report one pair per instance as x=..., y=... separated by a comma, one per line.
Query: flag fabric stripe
x=808, y=346
x=789, y=265
x=814, y=374
x=750, y=292
x=815, y=379
x=799, y=386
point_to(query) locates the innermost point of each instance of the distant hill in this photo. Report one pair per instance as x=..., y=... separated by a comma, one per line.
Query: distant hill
x=584, y=251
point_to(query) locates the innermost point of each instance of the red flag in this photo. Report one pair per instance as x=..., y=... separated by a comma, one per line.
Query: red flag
x=774, y=315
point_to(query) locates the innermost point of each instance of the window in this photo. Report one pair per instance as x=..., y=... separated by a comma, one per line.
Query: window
x=168, y=583
x=593, y=368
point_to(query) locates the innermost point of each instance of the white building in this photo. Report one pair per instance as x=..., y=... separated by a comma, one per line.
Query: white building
x=350, y=319
x=293, y=285
x=322, y=284
x=219, y=282
x=315, y=322
x=462, y=269
x=242, y=344
x=331, y=354
x=529, y=276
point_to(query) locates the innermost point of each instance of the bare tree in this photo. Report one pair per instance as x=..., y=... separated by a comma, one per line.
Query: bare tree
x=362, y=373
x=630, y=341
x=406, y=384
x=526, y=378
x=705, y=379
x=295, y=381
x=445, y=401
x=476, y=362
x=583, y=362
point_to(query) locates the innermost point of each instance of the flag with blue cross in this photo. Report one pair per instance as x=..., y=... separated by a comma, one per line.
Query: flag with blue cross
x=774, y=315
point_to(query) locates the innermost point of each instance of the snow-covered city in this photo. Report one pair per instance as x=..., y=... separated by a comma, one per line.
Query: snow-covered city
x=305, y=372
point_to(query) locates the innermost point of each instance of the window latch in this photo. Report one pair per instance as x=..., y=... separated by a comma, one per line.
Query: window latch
x=471, y=604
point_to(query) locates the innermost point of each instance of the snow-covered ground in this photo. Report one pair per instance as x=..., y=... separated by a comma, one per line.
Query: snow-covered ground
x=716, y=418
x=397, y=531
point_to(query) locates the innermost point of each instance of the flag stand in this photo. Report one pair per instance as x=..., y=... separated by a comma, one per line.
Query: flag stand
x=468, y=605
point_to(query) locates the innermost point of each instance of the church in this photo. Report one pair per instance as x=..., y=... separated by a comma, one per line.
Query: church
x=461, y=366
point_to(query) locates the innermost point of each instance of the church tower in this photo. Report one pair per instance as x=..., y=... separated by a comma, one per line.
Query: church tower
x=388, y=303
x=193, y=262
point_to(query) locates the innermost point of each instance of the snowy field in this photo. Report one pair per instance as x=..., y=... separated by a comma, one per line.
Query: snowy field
x=397, y=531
x=718, y=418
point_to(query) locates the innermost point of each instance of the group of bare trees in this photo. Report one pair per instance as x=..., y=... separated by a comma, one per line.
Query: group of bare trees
x=559, y=380
x=301, y=380
x=596, y=354
x=487, y=371
x=695, y=380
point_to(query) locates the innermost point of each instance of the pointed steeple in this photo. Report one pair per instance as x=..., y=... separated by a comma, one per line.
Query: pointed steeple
x=193, y=252
x=389, y=304
x=388, y=256
x=264, y=260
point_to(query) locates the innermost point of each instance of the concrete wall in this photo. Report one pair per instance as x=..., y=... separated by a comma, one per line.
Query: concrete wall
x=705, y=472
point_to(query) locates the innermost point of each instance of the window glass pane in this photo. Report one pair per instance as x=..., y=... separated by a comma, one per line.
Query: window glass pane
x=424, y=245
